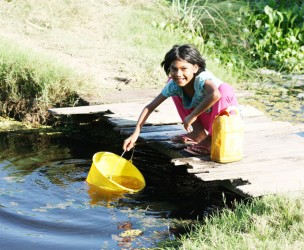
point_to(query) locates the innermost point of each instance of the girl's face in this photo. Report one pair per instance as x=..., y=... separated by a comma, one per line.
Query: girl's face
x=183, y=72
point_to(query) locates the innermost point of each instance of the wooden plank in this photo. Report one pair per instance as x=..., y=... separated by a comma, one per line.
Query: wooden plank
x=249, y=111
x=160, y=135
x=255, y=119
x=249, y=170
x=153, y=120
x=271, y=125
x=194, y=161
x=292, y=182
x=273, y=150
x=172, y=117
x=118, y=108
x=78, y=110
x=271, y=141
x=153, y=128
x=134, y=108
x=270, y=148
x=263, y=183
x=122, y=123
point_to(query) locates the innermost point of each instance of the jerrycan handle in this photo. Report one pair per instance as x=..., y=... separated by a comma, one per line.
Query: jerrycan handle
x=227, y=111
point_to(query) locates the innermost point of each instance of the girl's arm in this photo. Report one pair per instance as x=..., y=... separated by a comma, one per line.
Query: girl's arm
x=213, y=95
x=130, y=141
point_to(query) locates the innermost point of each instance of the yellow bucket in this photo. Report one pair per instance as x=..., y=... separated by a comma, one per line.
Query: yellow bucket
x=114, y=173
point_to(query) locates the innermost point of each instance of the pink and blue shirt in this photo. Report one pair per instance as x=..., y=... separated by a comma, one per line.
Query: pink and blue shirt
x=172, y=89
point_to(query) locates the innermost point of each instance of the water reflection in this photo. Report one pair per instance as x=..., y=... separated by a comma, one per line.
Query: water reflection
x=103, y=197
x=45, y=202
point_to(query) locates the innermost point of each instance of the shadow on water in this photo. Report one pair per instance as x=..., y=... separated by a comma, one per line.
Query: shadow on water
x=46, y=203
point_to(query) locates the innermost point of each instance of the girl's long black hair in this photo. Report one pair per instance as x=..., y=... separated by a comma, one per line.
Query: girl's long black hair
x=184, y=52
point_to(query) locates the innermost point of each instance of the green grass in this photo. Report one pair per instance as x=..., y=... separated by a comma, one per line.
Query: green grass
x=25, y=74
x=271, y=222
x=53, y=51
x=102, y=39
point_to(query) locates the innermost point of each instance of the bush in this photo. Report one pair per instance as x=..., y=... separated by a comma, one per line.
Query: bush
x=243, y=34
x=276, y=34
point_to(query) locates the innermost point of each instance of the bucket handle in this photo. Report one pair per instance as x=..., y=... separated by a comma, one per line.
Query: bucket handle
x=110, y=177
x=131, y=159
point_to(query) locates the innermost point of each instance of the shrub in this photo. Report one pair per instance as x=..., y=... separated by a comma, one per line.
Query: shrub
x=276, y=34
x=243, y=34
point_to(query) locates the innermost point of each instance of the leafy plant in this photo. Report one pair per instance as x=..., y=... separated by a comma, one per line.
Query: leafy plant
x=276, y=34
x=214, y=27
x=243, y=34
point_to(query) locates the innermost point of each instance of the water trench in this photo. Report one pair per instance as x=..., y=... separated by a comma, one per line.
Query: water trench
x=45, y=202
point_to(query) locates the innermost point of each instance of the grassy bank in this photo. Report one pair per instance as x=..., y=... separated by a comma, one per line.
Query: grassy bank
x=271, y=222
x=52, y=52
x=31, y=83
x=104, y=40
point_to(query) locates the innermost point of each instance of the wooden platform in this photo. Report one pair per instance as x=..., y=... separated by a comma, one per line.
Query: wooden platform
x=273, y=159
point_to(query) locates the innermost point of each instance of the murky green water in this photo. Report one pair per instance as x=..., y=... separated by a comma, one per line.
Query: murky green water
x=279, y=97
x=45, y=202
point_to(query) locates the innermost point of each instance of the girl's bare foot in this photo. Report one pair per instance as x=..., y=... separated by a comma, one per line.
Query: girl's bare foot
x=202, y=148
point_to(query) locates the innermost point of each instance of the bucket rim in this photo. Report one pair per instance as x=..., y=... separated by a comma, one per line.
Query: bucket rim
x=120, y=187
x=125, y=188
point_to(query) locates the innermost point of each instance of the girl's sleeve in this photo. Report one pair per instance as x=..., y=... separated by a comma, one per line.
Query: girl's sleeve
x=170, y=89
x=201, y=81
x=200, y=85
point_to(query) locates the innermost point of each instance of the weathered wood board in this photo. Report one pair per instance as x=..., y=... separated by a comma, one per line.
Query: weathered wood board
x=273, y=160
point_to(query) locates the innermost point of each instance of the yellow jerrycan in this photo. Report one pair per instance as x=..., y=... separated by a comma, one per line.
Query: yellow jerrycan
x=227, y=136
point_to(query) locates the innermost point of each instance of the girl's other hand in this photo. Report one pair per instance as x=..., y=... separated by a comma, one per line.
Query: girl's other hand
x=187, y=123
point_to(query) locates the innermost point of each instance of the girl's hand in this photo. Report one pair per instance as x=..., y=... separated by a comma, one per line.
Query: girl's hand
x=188, y=121
x=129, y=143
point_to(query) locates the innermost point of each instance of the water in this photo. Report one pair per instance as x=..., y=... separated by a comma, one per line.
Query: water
x=128, y=181
x=45, y=202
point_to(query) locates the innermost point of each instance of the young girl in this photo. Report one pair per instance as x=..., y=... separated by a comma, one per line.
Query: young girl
x=198, y=96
